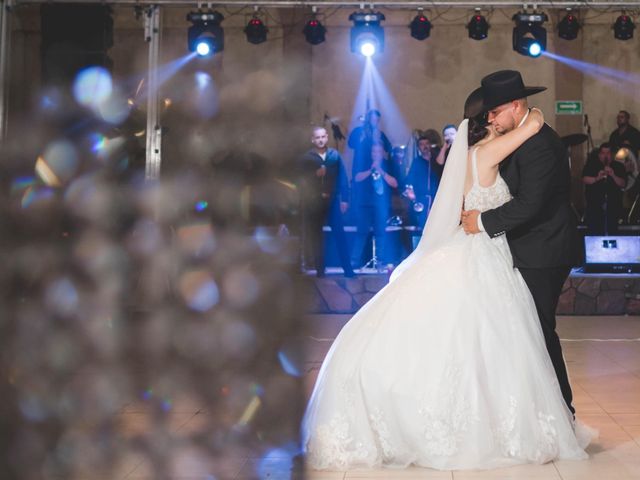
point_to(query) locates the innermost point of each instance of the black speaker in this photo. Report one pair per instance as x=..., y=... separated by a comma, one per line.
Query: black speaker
x=74, y=37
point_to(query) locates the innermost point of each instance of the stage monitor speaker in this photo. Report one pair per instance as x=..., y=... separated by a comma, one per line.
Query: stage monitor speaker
x=619, y=254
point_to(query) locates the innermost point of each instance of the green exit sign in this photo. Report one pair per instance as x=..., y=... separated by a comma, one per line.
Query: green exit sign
x=569, y=107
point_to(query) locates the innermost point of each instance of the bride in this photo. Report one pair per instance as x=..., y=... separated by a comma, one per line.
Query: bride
x=446, y=367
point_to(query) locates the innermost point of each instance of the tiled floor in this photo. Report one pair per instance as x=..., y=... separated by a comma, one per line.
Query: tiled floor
x=605, y=377
x=603, y=357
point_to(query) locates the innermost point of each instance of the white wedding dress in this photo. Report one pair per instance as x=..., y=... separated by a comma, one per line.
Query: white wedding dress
x=446, y=367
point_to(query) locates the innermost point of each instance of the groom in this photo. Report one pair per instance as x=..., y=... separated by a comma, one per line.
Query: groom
x=538, y=221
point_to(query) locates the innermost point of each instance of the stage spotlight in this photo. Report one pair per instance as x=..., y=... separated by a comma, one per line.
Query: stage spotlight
x=535, y=49
x=420, y=27
x=529, y=36
x=256, y=31
x=367, y=36
x=205, y=35
x=568, y=27
x=478, y=27
x=202, y=48
x=368, y=48
x=314, y=32
x=623, y=28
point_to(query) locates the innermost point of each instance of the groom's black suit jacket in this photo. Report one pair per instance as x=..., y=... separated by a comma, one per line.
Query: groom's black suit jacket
x=539, y=221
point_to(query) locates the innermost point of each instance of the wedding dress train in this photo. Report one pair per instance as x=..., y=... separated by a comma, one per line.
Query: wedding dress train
x=446, y=367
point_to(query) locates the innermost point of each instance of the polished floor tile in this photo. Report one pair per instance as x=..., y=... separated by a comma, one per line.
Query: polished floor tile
x=603, y=358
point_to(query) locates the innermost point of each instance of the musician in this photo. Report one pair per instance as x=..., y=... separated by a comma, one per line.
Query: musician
x=604, y=180
x=631, y=193
x=449, y=134
x=423, y=180
x=625, y=133
x=400, y=168
x=325, y=194
x=363, y=137
x=373, y=182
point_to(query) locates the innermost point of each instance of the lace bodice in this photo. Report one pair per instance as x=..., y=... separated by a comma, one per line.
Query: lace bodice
x=485, y=198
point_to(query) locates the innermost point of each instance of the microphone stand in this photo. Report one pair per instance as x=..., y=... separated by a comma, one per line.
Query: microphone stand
x=588, y=127
x=606, y=210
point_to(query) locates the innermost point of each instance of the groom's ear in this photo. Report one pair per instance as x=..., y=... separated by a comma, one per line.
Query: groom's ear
x=522, y=104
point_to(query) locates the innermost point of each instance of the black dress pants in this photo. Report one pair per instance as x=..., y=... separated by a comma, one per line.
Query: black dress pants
x=545, y=285
x=327, y=212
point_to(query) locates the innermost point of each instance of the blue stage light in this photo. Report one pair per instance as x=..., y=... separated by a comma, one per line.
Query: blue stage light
x=367, y=36
x=367, y=48
x=529, y=36
x=205, y=36
x=535, y=49
x=203, y=49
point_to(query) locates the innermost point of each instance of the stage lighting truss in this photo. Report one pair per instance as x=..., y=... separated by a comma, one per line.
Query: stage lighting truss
x=256, y=31
x=623, y=28
x=478, y=26
x=367, y=35
x=205, y=35
x=314, y=31
x=420, y=27
x=529, y=36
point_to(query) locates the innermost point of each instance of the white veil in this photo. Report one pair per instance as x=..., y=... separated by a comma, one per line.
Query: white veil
x=444, y=217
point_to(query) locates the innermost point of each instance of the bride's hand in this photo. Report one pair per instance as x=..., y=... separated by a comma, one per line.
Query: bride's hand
x=536, y=118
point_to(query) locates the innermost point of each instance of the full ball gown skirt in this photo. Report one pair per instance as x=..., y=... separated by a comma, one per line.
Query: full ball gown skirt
x=446, y=367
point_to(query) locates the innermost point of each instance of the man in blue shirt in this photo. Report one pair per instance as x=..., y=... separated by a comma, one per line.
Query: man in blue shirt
x=424, y=177
x=373, y=181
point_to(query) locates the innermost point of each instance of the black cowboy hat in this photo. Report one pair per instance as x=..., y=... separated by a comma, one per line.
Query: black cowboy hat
x=505, y=86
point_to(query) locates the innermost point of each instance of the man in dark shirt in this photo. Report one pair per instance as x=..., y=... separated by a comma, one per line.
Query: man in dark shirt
x=604, y=180
x=372, y=183
x=363, y=137
x=324, y=190
x=624, y=133
x=423, y=180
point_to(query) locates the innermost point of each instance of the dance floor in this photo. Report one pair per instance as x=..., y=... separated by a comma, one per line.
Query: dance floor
x=603, y=356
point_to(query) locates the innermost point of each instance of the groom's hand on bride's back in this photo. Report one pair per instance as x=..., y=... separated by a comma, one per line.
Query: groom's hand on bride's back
x=469, y=220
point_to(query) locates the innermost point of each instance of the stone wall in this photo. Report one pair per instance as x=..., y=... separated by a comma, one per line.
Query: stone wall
x=582, y=295
x=600, y=295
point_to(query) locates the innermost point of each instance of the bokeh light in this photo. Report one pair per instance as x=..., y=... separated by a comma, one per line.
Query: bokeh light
x=114, y=109
x=62, y=297
x=133, y=305
x=19, y=184
x=199, y=290
x=92, y=86
x=291, y=358
x=35, y=195
x=57, y=164
x=241, y=288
